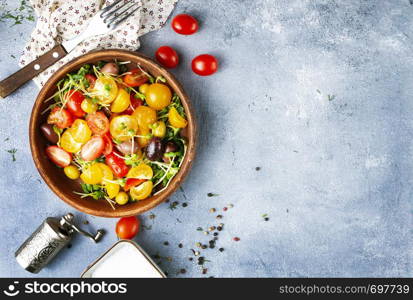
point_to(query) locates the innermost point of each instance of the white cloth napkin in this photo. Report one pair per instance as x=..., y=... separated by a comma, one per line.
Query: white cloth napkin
x=60, y=20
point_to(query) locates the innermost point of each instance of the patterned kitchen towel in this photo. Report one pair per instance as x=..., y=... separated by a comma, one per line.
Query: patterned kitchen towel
x=60, y=20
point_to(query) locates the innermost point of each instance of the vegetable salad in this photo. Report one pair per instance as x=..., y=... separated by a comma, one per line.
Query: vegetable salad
x=117, y=130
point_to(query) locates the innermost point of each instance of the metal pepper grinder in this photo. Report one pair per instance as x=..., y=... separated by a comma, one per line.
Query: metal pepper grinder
x=46, y=242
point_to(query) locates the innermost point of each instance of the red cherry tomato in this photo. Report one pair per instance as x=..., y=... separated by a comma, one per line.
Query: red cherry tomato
x=98, y=123
x=60, y=117
x=135, y=78
x=59, y=156
x=167, y=57
x=127, y=227
x=74, y=102
x=185, y=24
x=205, y=65
x=91, y=79
x=108, y=144
x=134, y=103
x=117, y=164
x=132, y=182
x=93, y=148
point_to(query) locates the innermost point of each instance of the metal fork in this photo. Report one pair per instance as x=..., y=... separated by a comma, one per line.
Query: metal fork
x=105, y=20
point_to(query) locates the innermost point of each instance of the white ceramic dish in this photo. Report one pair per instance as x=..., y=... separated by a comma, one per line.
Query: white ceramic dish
x=125, y=259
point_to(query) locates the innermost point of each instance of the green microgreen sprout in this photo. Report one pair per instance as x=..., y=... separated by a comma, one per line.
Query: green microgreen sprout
x=13, y=153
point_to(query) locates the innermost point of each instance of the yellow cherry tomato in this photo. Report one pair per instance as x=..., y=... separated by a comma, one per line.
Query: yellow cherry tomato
x=142, y=191
x=106, y=172
x=112, y=189
x=80, y=131
x=71, y=172
x=145, y=116
x=142, y=171
x=158, y=96
x=175, y=119
x=123, y=127
x=105, y=89
x=68, y=143
x=159, y=129
x=92, y=174
x=121, y=102
x=143, y=88
x=88, y=106
x=122, y=198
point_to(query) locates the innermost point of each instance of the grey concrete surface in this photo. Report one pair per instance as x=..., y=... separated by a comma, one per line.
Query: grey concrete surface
x=317, y=94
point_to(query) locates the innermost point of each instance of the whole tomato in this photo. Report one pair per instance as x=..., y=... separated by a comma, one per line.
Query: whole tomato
x=184, y=24
x=205, y=65
x=127, y=227
x=167, y=57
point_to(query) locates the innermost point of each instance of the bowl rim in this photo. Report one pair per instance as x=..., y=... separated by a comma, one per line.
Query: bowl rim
x=175, y=86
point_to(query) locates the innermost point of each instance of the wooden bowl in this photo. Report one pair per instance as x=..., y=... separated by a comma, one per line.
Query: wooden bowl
x=62, y=186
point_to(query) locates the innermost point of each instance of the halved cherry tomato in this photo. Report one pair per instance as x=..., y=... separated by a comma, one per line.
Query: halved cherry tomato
x=68, y=143
x=142, y=171
x=81, y=132
x=185, y=24
x=105, y=89
x=91, y=79
x=204, y=65
x=121, y=102
x=98, y=123
x=135, y=78
x=167, y=57
x=60, y=117
x=108, y=144
x=117, y=164
x=175, y=119
x=141, y=191
x=92, y=174
x=127, y=227
x=134, y=103
x=74, y=103
x=59, y=156
x=132, y=182
x=93, y=148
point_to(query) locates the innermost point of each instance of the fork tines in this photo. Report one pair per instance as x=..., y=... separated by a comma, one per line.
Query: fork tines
x=118, y=11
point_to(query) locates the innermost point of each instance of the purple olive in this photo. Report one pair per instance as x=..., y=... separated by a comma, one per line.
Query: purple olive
x=126, y=147
x=49, y=133
x=155, y=149
x=110, y=68
x=170, y=147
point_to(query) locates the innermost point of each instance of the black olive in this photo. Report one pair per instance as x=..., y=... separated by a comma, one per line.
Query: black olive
x=49, y=133
x=155, y=149
x=170, y=147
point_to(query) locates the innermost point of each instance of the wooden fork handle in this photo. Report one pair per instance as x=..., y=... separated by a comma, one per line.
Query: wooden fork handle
x=16, y=80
